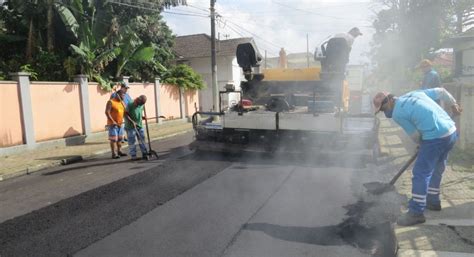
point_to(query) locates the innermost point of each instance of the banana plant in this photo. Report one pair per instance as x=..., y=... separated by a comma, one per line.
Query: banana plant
x=132, y=50
x=93, y=51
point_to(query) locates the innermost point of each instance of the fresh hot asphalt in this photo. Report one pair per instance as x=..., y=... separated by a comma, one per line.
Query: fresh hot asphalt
x=192, y=205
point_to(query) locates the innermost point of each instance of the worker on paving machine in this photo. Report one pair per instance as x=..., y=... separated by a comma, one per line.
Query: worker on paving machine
x=134, y=127
x=435, y=132
x=337, y=49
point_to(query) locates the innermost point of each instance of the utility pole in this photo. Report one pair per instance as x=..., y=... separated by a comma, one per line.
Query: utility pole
x=265, y=59
x=307, y=50
x=215, y=90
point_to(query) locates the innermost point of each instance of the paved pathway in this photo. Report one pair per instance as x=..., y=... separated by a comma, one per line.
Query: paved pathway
x=449, y=232
x=34, y=160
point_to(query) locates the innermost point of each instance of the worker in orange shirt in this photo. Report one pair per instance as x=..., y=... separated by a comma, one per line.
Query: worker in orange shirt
x=114, y=111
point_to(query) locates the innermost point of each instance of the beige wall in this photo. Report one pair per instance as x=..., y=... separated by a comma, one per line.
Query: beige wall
x=97, y=100
x=56, y=110
x=192, y=98
x=169, y=105
x=11, y=132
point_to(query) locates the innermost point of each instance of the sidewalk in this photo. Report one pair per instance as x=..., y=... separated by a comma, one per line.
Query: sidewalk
x=40, y=158
x=449, y=232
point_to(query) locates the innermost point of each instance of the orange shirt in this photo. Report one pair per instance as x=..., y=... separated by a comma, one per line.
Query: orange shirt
x=117, y=111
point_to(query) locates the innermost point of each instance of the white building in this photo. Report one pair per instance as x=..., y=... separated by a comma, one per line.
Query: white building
x=195, y=51
x=463, y=87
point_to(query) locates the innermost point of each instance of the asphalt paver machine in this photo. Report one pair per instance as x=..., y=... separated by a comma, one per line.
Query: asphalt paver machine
x=284, y=110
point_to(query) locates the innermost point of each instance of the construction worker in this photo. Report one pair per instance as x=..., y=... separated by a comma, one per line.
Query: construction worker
x=134, y=127
x=337, y=49
x=114, y=112
x=123, y=88
x=126, y=99
x=431, y=78
x=430, y=126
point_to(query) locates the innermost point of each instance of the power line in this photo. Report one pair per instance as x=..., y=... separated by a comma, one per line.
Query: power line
x=310, y=12
x=262, y=45
x=242, y=35
x=187, y=14
x=198, y=8
x=158, y=10
x=261, y=24
x=253, y=34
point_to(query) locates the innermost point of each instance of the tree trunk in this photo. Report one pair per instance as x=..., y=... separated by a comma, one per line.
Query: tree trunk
x=30, y=41
x=50, y=26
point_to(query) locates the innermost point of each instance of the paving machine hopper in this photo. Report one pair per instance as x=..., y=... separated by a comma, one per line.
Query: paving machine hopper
x=297, y=111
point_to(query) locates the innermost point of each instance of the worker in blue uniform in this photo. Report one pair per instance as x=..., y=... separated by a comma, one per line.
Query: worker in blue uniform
x=431, y=78
x=433, y=129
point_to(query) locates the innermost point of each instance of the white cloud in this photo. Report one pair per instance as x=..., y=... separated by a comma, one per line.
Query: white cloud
x=280, y=23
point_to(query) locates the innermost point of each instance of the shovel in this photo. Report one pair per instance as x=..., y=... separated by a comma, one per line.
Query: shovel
x=377, y=188
x=151, y=152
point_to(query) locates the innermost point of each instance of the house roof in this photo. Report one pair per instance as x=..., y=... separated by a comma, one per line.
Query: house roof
x=199, y=45
x=444, y=59
x=467, y=35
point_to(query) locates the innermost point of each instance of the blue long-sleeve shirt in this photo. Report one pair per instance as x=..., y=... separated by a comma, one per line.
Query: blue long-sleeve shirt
x=126, y=99
x=431, y=80
x=417, y=112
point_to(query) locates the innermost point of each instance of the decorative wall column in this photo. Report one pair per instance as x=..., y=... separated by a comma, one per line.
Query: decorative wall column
x=84, y=100
x=158, y=100
x=182, y=103
x=23, y=79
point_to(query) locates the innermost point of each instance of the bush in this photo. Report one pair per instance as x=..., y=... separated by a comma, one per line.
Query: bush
x=183, y=76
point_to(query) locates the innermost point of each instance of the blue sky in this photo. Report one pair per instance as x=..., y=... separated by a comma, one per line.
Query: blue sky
x=280, y=23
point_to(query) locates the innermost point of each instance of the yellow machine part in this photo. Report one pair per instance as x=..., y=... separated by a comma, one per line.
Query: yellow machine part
x=282, y=74
x=304, y=74
x=345, y=95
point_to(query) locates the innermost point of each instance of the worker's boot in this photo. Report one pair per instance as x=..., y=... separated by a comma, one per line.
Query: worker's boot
x=410, y=219
x=433, y=206
x=120, y=153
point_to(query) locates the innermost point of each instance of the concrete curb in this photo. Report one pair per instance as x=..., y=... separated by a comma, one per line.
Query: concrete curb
x=74, y=140
x=56, y=163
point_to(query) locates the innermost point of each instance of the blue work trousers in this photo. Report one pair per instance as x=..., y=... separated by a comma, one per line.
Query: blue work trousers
x=428, y=171
x=132, y=136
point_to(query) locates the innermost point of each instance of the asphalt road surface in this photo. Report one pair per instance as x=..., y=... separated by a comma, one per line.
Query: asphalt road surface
x=190, y=204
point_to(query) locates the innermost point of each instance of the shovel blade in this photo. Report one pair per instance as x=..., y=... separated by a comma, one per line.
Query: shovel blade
x=152, y=154
x=377, y=188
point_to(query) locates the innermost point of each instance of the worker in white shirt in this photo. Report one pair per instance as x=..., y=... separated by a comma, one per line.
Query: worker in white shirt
x=337, y=49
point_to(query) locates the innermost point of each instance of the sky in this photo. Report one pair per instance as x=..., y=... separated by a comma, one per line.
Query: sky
x=279, y=23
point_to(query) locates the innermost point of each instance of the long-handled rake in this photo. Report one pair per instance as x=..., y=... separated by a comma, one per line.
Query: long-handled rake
x=150, y=152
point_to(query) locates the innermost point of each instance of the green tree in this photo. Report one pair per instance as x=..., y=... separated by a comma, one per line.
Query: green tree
x=155, y=33
x=407, y=31
x=100, y=38
x=183, y=76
